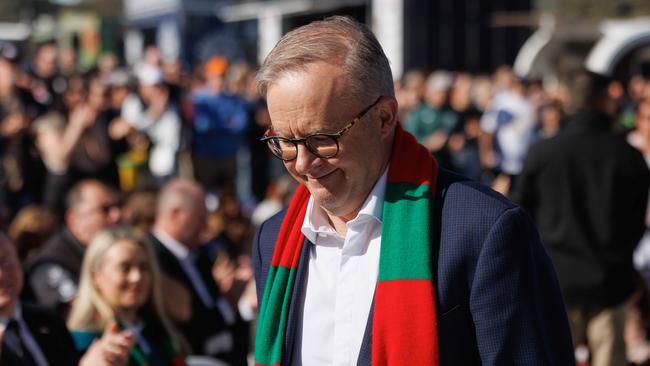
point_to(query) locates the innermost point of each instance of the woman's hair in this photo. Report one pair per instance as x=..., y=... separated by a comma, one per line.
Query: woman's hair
x=90, y=311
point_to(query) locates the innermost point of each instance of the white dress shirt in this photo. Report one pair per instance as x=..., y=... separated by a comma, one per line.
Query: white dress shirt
x=340, y=283
x=26, y=336
x=186, y=259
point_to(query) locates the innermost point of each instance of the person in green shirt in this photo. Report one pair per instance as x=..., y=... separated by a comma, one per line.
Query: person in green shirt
x=433, y=120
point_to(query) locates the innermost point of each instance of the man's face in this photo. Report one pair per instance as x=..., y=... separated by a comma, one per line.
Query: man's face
x=436, y=97
x=6, y=75
x=215, y=83
x=46, y=60
x=11, y=275
x=311, y=101
x=191, y=221
x=124, y=277
x=97, y=210
x=147, y=92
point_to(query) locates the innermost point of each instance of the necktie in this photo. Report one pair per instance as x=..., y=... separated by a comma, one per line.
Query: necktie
x=14, y=342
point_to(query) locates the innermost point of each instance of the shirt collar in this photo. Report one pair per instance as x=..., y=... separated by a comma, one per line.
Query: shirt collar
x=177, y=248
x=316, y=221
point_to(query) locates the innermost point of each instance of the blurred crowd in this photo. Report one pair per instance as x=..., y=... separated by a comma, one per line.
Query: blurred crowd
x=130, y=195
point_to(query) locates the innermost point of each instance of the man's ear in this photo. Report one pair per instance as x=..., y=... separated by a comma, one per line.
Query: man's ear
x=69, y=218
x=388, y=114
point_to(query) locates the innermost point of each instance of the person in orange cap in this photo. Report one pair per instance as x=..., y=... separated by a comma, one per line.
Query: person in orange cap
x=220, y=121
x=214, y=72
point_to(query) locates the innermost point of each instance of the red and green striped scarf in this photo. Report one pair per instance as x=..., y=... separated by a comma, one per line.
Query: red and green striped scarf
x=404, y=329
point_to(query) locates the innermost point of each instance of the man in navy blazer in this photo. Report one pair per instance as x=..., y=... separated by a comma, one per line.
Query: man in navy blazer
x=29, y=335
x=496, y=293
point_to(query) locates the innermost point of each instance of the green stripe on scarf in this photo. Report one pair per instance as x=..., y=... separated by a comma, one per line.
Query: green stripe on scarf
x=268, y=350
x=404, y=328
x=403, y=222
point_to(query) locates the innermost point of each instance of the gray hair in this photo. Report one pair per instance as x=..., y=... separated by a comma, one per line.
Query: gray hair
x=336, y=40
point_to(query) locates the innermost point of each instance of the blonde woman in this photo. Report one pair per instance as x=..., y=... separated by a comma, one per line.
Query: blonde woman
x=119, y=318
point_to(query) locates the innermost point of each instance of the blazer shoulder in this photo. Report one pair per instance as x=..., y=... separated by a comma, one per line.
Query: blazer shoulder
x=164, y=256
x=456, y=192
x=43, y=319
x=466, y=212
x=274, y=222
x=38, y=314
x=267, y=235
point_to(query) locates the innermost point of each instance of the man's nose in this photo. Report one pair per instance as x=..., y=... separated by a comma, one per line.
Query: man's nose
x=304, y=160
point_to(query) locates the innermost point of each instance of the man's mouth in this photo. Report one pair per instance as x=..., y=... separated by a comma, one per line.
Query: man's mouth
x=321, y=177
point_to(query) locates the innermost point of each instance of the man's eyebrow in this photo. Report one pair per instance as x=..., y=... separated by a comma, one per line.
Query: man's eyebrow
x=303, y=135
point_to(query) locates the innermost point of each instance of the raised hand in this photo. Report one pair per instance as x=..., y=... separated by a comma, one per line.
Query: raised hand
x=111, y=350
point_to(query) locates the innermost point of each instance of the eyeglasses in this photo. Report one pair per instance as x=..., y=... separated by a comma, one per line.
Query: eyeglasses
x=323, y=145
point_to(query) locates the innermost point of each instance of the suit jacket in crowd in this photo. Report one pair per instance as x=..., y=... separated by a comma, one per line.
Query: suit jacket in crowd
x=205, y=323
x=51, y=335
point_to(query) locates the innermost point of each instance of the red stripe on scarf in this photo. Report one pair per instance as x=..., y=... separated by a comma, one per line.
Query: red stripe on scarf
x=393, y=343
x=410, y=162
x=290, y=231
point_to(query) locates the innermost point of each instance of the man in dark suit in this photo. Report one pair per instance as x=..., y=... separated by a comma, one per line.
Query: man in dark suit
x=30, y=336
x=587, y=189
x=212, y=326
x=53, y=275
x=382, y=257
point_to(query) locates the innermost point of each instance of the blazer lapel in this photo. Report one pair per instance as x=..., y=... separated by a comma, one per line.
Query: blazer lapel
x=294, y=307
x=41, y=331
x=365, y=352
x=8, y=357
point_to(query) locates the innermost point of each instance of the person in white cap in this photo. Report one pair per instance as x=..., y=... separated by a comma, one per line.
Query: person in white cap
x=153, y=113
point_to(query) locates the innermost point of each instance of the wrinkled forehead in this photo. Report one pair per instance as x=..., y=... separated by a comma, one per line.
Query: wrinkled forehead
x=317, y=97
